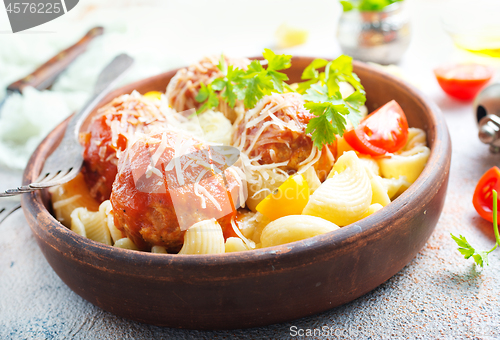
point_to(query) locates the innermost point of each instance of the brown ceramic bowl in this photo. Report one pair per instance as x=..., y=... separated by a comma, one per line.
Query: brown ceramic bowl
x=262, y=286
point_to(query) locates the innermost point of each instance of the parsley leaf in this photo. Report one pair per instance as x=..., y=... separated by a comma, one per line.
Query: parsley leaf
x=465, y=248
x=207, y=94
x=333, y=111
x=277, y=62
x=324, y=87
x=321, y=127
x=256, y=86
x=226, y=85
x=312, y=75
x=353, y=103
x=254, y=83
x=311, y=71
x=340, y=70
x=259, y=81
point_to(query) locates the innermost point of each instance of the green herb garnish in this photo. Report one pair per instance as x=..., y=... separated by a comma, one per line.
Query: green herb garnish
x=366, y=5
x=226, y=85
x=331, y=112
x=207, y=94
x=465, y=248
x=323, y=98
x=321, y=91
x=250, y=85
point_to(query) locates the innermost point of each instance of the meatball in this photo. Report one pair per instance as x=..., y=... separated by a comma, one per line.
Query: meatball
x=274, y=132
x=166, y=183
x=108, y=134
x=184, y=86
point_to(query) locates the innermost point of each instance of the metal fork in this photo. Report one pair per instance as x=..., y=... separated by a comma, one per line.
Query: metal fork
x=66, y=161
x=8, y=209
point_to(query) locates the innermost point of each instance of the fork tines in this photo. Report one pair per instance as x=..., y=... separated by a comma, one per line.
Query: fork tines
x=7, y=210
x=45, y=180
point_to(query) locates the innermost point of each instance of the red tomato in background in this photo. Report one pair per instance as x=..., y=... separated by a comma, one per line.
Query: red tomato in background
x=385, y=130
x=463, y=81
x=483, y=197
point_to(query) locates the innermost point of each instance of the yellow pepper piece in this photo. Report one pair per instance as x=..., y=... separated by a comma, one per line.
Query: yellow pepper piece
x=289, y=199
x=153, y=95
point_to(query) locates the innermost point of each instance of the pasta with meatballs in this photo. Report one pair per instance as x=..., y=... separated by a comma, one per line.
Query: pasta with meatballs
x=232, y=157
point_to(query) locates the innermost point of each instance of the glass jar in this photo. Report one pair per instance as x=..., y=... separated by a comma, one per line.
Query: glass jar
x=381, y=37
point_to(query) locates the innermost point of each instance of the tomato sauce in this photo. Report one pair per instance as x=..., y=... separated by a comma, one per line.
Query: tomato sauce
x=107, y=135
x=99, y=167
x=154, y=204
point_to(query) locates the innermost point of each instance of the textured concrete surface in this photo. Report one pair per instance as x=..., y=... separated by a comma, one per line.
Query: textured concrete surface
x=438, y=295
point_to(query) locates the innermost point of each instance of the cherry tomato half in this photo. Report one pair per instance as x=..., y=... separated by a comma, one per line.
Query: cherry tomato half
x=385, y=130
x=463, y=81
x=483, y=197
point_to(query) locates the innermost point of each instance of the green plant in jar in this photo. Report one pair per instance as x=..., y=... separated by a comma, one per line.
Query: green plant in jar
x=366, y=5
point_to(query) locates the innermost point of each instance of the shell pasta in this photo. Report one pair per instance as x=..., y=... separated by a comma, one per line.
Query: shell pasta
x=410, y=161
x=93, y=225
x=294, y=228
x=204, y=237
x=98, y=225
x=345, y=196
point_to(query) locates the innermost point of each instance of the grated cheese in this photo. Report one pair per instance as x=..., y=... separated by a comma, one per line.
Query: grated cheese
x=249, y=243
x=210, y=197
x=65, y=202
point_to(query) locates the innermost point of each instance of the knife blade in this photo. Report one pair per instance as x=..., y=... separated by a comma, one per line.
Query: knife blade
x=45, y=75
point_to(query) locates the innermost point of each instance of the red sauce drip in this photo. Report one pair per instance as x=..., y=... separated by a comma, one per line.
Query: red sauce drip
x=98, y=167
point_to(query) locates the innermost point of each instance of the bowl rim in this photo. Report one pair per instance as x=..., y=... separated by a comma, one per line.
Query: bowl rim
x=343, y=237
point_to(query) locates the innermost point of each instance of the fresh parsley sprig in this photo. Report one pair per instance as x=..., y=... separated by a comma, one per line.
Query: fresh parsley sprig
x=465, y=248
x=323, y=98
x=248, y=85
x=331, y=113
x=207, y=95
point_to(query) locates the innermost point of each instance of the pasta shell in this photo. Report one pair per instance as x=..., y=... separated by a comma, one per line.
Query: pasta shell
x=416, y=137
x=312, y=179
x=372, y=209
x=125, y=243
x=216, y=127
x=204, y=237
x=294, y=228
x=158, y=250
x=379, y=192
x=409, y=164
x=394, y=186
x=410, y=161
x=115, y=233
x=92, y=225
x=345, y=196
x=370, y=164
x=234, y=244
